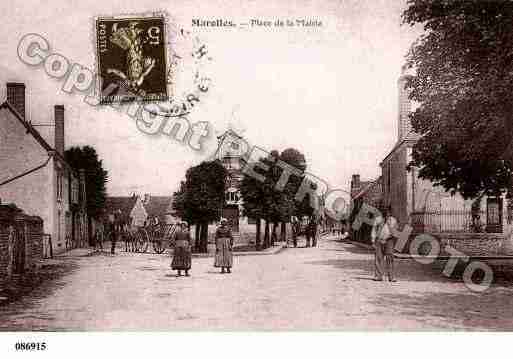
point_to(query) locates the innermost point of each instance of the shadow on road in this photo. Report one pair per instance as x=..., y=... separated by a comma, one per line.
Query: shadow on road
x=469, y=311
x=49, y=279
x=405, y=271
x=351, y=249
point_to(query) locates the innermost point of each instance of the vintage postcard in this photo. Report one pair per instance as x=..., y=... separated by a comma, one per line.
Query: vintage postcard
x=232, y=165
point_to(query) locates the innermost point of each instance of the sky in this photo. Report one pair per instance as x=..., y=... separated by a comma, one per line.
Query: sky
x=329, y=91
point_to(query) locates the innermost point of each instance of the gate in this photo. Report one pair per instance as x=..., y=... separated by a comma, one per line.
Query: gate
x=494, y=215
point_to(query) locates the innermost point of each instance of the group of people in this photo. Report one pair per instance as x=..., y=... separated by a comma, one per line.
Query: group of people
x=182, y=255
x=382, y=236
x=310, y=232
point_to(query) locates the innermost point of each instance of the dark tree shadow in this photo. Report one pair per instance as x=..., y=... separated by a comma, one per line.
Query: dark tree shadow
x=409, y=271
x=468, y=311
x=26, y=297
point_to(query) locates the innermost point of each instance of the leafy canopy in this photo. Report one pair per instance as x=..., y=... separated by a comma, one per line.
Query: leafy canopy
x=201, y=196
x=96, y=177
x=463, y=83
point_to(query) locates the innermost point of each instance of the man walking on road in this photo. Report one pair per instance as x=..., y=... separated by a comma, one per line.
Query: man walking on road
x=114, y=220
x=384, y=242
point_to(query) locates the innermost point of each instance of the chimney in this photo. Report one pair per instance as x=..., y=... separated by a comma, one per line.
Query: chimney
x=355, y=182
x=59, y=129
x=16, y=96
x=404, y=124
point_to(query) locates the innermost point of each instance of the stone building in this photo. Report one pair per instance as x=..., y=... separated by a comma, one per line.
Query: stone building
x=35, y=175
x=370, y=193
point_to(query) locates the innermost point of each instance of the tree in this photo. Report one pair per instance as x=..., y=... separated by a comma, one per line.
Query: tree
x=262, y=201
x=463, y=83
x=201, y=197
x=96, y=177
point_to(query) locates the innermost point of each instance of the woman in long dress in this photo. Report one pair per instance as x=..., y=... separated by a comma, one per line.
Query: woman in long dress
x=182, y=253
x=224, y=245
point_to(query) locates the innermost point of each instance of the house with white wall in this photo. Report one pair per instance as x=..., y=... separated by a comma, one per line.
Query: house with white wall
x=34, y=174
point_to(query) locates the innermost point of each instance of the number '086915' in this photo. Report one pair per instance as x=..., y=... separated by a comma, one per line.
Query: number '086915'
x=30, y=346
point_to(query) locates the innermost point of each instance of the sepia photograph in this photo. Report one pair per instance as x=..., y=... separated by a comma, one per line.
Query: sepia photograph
x=250, y=167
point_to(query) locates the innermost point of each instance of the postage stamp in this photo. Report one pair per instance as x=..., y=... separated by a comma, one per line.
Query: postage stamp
x=131, y=58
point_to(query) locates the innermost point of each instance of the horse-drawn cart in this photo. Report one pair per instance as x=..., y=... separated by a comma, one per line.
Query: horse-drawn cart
x=138, y=240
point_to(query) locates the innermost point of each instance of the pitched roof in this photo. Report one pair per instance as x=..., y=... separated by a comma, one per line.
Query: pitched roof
x=124, y=204
x=368, y=186
x=410, y=139
x=363, y=184
x=35, y=133
x=229, y=132
x=158, y=206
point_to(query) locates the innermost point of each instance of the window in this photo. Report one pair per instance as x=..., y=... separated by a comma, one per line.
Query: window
x=232, y=196
x=74, y=191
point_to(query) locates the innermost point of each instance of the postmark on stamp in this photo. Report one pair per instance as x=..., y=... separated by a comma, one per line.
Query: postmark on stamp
x=131, y=58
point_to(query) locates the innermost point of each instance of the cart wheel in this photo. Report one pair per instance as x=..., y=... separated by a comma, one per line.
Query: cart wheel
x=158, y=246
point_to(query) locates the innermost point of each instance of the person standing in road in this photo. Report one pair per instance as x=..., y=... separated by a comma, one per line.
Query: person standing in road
x=113, y=229
x=308, y=233
x=314, y=232
x=383, y=241
x=182, y=252
x=224, y=246
x=294, y=224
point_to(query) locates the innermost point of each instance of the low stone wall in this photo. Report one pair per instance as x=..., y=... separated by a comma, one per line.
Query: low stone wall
x=470, y=244
x=474, y=244
x=30, y=230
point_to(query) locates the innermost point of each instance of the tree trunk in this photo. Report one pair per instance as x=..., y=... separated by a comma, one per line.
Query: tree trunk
x=258, y=244
x=197, y=240
x=266, y=235
x=274, y=237
x=283, y=235
x=90, y=231
x=204, y=237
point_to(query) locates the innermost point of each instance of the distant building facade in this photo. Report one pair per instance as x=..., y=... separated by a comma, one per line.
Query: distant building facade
x=160, y=207
x=364, y=192
x=129, y=209
x=231, y=151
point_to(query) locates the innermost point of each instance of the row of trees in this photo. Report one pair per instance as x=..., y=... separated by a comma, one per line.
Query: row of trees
x=201, y=197
x=262, y=202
